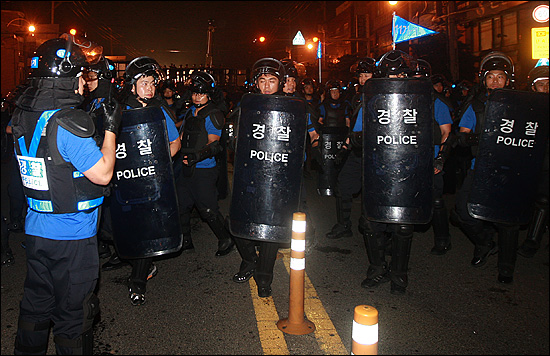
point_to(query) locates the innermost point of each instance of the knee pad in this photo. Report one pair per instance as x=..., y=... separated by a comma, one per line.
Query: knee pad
x=405, y=230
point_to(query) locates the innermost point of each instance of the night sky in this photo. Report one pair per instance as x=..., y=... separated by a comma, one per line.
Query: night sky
x=176, y=31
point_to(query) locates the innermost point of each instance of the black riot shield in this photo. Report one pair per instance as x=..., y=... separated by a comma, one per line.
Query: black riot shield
x=331, y=140
x=144, y=207
x=398, y=150
x=510, y=156
x=269, y=158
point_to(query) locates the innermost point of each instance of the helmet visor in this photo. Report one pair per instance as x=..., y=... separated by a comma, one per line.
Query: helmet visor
x=91, y=50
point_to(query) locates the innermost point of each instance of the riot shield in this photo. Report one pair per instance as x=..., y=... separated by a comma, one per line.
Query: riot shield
x=268, y=163
x=331, y=140
x=398, y=150
x=510, y=156
x=144, y=207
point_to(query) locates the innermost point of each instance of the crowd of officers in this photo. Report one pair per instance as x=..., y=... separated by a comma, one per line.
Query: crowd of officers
x=75, y=85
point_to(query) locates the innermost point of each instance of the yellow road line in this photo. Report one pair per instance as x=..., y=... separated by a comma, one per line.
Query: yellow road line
x=272, y=339
x=327, y=337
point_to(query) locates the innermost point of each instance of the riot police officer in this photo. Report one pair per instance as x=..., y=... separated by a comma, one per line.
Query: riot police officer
x=196, y=185
x=496, y=71
x=308, y=90
x=64, y=189
x=393, y=64
x=349, y=158
x=100, y=81
x=173, y=100
x=142, y=75
x=289, y=89
x=442, y=130
x=269, y=76
x=538, y=82
x=364, y=70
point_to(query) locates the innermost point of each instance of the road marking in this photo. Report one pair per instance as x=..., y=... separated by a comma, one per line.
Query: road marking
x=272, y=339
x=327, y=337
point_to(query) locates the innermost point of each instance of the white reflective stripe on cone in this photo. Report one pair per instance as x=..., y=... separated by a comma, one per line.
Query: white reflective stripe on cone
x=297, y=264
x=298, y=226
x=298, y=245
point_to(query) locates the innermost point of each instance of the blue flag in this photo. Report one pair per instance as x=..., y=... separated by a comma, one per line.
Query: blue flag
x=403, y=30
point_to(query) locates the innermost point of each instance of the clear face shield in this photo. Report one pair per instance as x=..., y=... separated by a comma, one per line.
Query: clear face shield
x=92, y=51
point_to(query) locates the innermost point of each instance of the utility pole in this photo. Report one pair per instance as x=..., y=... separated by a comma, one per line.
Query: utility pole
x=211, y=29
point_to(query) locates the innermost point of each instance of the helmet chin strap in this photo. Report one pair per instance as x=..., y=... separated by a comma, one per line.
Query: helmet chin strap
x=201, y=105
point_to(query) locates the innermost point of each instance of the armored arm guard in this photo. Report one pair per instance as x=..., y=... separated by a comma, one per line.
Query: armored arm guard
x=207, y=151
x=468, y=139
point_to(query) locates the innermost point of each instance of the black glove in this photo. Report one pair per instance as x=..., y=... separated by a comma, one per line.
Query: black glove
x=439, y=162
x=112, y=115
x=468, y=139
x=342, y=154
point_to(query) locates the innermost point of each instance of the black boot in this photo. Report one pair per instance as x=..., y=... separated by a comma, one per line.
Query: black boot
x=114, y=263
x=377, y=272
x=484, y=246
x=507, y=247
x=440, y=224
x=103, y=249
x=264, y=272
x=187, y=243
x=537, y=227
x=343, y=225
x=401, y=250
x=247, y=250
x=225, y=242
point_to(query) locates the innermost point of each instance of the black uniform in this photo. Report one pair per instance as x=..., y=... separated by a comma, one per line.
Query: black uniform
x=197, y=183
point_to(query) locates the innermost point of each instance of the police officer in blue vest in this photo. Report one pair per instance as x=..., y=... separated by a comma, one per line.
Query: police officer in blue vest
x=100, y=82
x=142, y=75
x=442, y=149
x=538, y=82
x=496, y=72
x=64, y=174
x=196, y=185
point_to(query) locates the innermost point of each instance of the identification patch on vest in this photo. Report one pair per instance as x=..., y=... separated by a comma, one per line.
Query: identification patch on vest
x=33, y=172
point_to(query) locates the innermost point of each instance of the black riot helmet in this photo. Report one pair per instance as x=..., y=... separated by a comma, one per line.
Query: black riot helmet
x=539, y=72
x=202, y=82
x=364, y=65
x=64, y=57
x=269, y=66
x=423, y=69
x=141, y=66
x=496, y=61
x=396, y=62
x=333, y=84
x=105, y=69
x=290, y=68
x=308, y=81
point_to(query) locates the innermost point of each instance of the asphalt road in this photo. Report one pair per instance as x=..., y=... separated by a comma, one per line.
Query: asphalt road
x=193, y=307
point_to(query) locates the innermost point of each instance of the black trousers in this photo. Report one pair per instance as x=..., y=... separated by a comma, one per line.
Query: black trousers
x=61, y=274
x=349, y=184
x=197, y=190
